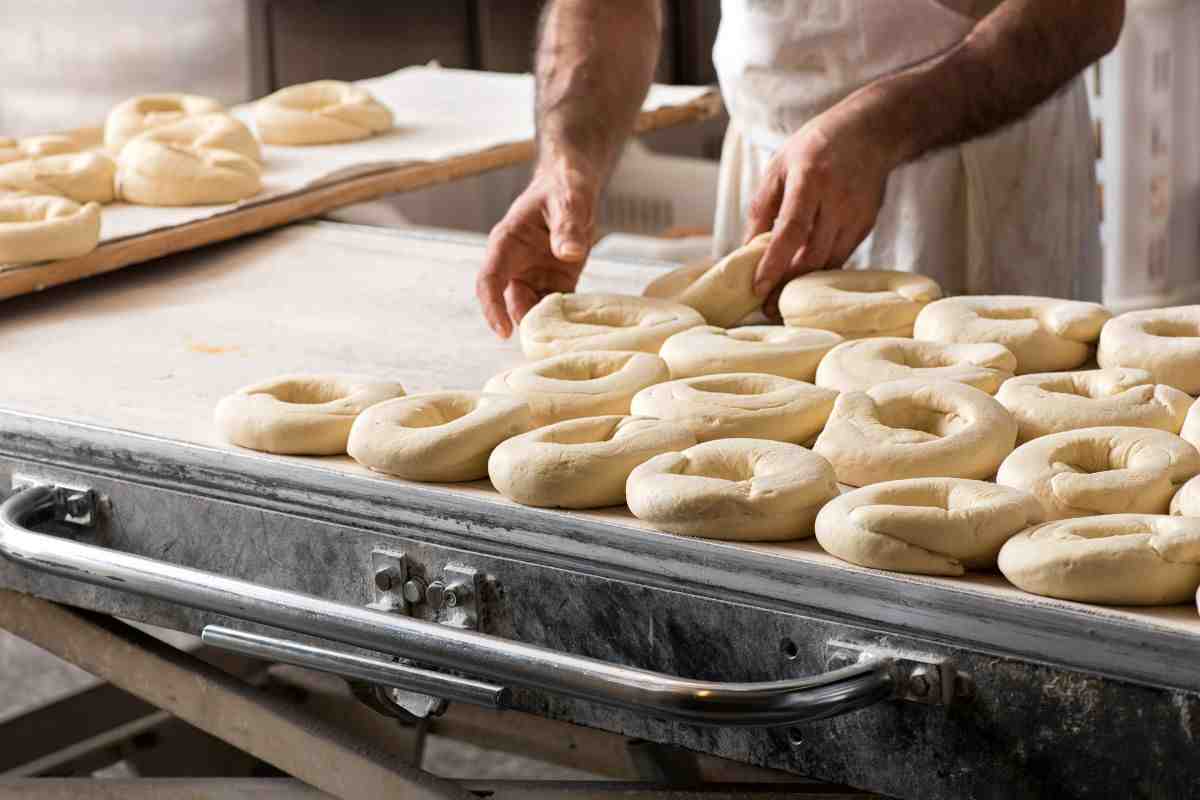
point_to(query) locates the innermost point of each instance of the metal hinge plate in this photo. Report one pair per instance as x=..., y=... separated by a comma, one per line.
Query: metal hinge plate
x=73, y=504
x=920, y=677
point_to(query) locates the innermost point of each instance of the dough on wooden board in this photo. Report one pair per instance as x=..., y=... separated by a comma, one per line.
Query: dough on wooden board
x=321, y=112
x=1163, y=341
x=142, y=113
x=768, y=349
x=39, y=228
x=857, y=303
x=724, y=292
x=560, y=323
x=82, y=177
x=858, y=365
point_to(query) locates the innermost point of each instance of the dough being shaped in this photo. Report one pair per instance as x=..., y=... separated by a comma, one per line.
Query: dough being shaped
x=1044, y=333
x=581, y=463
x=1117, y=559
x=444, y=437
x=1186, y=502
x=137, y=115
x=733, y=489
x=916, y=429
x=1112, y=470
x=1191, y=426
x=1163, y=341
x=722, y=293
x=768, y=349
x=739, y=405
x=1052, y=402
x=928, y=526
x=858, y=365
x=300, y=414
x=321, y=112
x=38, y=228
x=857, y=303
x=565, y=322
x=584, y=383
x=36, y=146
x=82, y=177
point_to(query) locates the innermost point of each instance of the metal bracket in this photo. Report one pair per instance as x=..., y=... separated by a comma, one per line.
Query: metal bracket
x=918, y=677
x=454, y=598
x=73, y=504
x=389, y=572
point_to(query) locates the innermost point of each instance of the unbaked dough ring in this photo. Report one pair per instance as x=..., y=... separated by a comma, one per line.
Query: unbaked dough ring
x=1186, y=502
x=300, y=414
x=769, y=349
x=739, y=405
x=928, y=526
x=1191, y=426
x=1164, y=341
x=857, y=303
x=51, y=144
x=1044, y=333
x=82, y=177
x=1052, y=402
x=1113, y=470
x=581, y=463
x=564, y=322
x=146, y=112
x=445, y=437
x=321, y=112
x=916, y=429
x=1117, y=559
x=585, y=383
x=722, y=293
x=38, y=228
x=733, y=489
x=858, y=365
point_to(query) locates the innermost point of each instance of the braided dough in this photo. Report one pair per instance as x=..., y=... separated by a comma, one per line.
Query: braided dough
x=580, y=384
x=1186, y=502
x=733, y=489
x=769, y=349
x=916, y=429
x=1051, y=402
x=300, y=414
x=320, y=112
x=857, y=303
x=38, y=228
x=82, y=177
x=928, y=526
x=1164, y=341
x=564, y=322
x=1113, y=470
x=739, y=405
x=146, y=112
x=858, y=365
x=722, y=293
x=437, y=436
x=581, y=463
x=1044, y=333
x=1119, y=559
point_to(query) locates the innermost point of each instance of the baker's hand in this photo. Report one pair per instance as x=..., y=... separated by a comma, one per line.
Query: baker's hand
x=539, y=247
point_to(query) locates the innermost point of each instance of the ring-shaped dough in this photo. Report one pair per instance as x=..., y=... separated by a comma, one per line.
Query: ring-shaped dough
x=723, y=293
x=82, y=177
x=1052, y=402
x=733, y=489
x=1186, y=502
x=1191, y=426
x=137, y=115
x=1113, y=470
x=1044, y=333
x=37, y=228
x=768, y=349
x=50, y=144
x=581, y=383
x=1163, y=341
x=857, y=303
x=565, y=322
x=1117, y=559
x=300, y=414
x=916, y=429
x=321, y=112
x=739, y=405
x=581, y=463
x=444, y=437
x=858, y=365
x=928, y=526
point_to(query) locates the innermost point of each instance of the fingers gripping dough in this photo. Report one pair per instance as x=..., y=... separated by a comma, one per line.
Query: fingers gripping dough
x=1186, y=502
x=858, y=365
x=82, y=177
x=857, y=303
x=581, y=463
x=724, y=292
x=734, y=489
x=916, y=429
x=1164, y=341
x=1113, y=470
x=929, y=526
x=320, y=112
x=768, y=349
x=565, y=322
x=139, y=114
x=37, y=228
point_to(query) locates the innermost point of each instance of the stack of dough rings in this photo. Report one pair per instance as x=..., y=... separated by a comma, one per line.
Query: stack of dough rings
x=857, y=303
x=1163, y=341
x=321, y=112
x=724, y=292
x=770, y=349
x=564, y=322
x=39, y=228
x=860, y=364
x=137, y=115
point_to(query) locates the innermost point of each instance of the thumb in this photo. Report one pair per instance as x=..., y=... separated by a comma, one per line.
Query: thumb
x=569, y=216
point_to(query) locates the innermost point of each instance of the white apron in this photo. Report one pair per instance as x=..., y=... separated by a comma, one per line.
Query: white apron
x=1015, y=212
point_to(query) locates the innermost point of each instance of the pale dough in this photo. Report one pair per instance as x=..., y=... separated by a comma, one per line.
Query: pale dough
x=565, y=322
x=916, y=429
x=733, y=489
x=438, y=436
x=584, y=383
x=1191, y=425
x=82, y=177
x=36, y=146
x=770, y=349
x=1117, y=559
x=1112, y=470
x=857, y=303
x=38, y=228
x=1044, y=333
x=300, y=414
x=722, y=293
x=139, y=114
x=581, y=463
x=858, y=365
x=321, y=112
x=928, y=526
x=739, y=405
x=1186, y=502
x=1164, y=341
x=1052, y=402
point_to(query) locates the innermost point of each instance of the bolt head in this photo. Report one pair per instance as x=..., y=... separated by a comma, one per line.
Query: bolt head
x=414, y=590
x=918, y=684
x=451, y=599
x=385, y=578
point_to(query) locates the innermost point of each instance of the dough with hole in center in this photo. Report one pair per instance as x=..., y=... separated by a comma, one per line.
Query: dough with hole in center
x=858, y=365
x=1163, y=341
x=321, y=112
x=38, y=228
x=857, y=303
x=724, y=292
x=768, y=349
x=135, y=116
x=564, y=322
x=82, y=177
